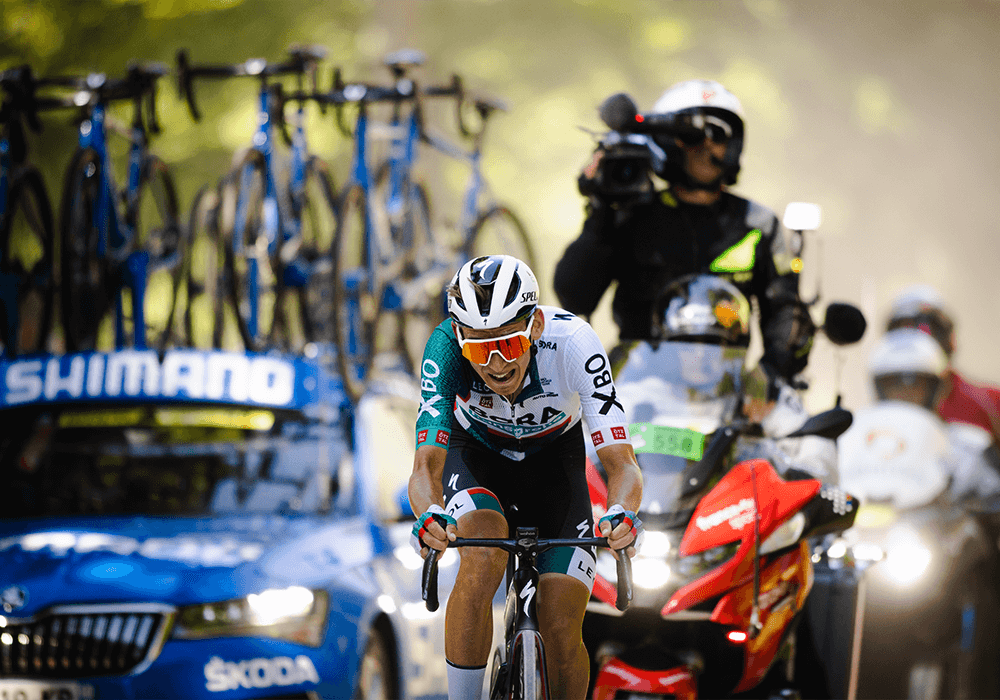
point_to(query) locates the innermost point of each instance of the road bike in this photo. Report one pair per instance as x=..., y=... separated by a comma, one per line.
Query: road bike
x=384, y=220
x=27, y=237
x=518, y=668
x=119, y=248
x=486, y=226
x=261, y=243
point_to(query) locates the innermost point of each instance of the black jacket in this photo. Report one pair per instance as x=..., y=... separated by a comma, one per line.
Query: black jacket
x=647, y=245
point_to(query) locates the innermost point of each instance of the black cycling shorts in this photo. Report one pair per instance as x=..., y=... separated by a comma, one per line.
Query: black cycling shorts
x=547, y=490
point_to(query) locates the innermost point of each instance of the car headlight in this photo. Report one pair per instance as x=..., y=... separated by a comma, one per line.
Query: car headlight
x=296, y=613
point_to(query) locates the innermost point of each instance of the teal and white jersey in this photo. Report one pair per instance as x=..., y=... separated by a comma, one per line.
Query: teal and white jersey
x=569, y=376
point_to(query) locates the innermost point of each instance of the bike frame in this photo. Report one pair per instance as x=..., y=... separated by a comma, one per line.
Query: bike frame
x=274, y=223
x=402, y=156
x=520, y=615
x=114, y=231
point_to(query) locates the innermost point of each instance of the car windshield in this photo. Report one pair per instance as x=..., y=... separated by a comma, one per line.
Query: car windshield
x=170, y=461
x=675, y=394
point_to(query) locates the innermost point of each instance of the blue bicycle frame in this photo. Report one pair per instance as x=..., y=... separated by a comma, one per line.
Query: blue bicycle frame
x=401, y=157
x=132, y=266
x=273, y=222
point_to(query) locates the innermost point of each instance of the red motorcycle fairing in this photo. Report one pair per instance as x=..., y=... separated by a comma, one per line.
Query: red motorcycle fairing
x=726, y=515
x=723, y=516
x=678, y=683
x=784, y=585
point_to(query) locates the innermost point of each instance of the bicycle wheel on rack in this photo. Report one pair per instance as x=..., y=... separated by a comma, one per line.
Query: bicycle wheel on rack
x=413, y=301
x=27, y=242
x=310, y=273
x=155, y=219
x=87, y=289
x=356, y=305
x=203, y=275
x=252, y=273
x=498, y=230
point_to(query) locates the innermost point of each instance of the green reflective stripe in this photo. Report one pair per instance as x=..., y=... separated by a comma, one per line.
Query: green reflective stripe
x=739, y=257
x=667, y=440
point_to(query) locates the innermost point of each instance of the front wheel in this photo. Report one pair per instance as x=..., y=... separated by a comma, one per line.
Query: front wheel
x=530, y=682
x=87, y=287
x=27, y=240
x=357, y=301
x=156, y=221
x=500, y=231
x=249, y=226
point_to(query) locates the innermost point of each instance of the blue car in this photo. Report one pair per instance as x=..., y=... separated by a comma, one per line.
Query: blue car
x=207, y=525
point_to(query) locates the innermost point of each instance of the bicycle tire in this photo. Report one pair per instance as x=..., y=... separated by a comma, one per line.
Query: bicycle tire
x=84, y=276
x=317, y=212
x=159, y=233
x=354, y=342
x=249, y=252
x=529, y=677
x=27, y=199
x=417, y=313
x=499, y=230
x=204, y=274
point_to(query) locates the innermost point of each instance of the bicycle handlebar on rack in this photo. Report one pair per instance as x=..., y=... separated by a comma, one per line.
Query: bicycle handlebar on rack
x=428, y=581
x=303, y=60
x=138, y=84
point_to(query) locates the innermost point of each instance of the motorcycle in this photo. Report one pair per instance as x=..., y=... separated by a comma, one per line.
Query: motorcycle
x=928, y=603
x=725, y=566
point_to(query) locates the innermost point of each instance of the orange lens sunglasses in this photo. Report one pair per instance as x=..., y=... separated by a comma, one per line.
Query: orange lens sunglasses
x=510, y=346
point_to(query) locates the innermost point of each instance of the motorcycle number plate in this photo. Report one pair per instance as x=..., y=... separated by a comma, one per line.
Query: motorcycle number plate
x=667, y=440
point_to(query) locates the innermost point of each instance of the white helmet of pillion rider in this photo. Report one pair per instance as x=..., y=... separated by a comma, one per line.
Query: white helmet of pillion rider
x=908, y=364
x=921, y=306
x=707, y=107
x=492, y=291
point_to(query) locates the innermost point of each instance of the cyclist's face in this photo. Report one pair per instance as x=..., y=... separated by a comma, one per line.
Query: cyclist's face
x=503, y=377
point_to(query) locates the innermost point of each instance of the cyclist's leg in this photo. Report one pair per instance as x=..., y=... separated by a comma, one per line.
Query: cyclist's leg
x=469, y=615
x=562, y=602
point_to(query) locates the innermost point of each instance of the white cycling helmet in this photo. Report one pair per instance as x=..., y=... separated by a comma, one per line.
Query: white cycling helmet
x=492, y=291
x=700, y=106
x=908, y=361
x=921, y=306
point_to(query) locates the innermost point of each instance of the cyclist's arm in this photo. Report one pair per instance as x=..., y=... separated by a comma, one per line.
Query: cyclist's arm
x=624, y=489
x=425, y=489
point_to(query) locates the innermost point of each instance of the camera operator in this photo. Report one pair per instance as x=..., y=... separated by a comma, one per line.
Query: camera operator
x=644, y=237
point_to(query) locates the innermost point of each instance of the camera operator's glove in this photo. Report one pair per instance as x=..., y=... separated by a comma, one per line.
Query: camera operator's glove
x=587, y=181
x=616, y=515
x=433, y=513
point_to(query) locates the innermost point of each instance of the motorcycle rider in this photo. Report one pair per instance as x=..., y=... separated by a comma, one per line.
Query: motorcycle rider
x=908, y=365
x=693, y=225
x=960, y=401
x=504, y=384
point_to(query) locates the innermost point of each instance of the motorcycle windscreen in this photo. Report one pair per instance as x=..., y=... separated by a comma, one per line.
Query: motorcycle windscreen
x=674, y=394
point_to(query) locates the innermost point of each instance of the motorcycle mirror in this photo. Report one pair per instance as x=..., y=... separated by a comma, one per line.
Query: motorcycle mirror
x=829, y=424
x=802, y=216
x=844, y=323
x=618, y=112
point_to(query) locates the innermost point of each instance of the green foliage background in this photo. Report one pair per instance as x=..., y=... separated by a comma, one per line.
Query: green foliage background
x=882, y=112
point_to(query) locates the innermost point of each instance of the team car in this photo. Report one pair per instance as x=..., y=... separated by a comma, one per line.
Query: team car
x=205, y=524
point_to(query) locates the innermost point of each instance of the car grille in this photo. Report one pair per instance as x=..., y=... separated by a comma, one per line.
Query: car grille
x=83, y=641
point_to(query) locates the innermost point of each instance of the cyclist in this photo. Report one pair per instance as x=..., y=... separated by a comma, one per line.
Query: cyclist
x=693, y=225
x=504, y=385
x=960, y=401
